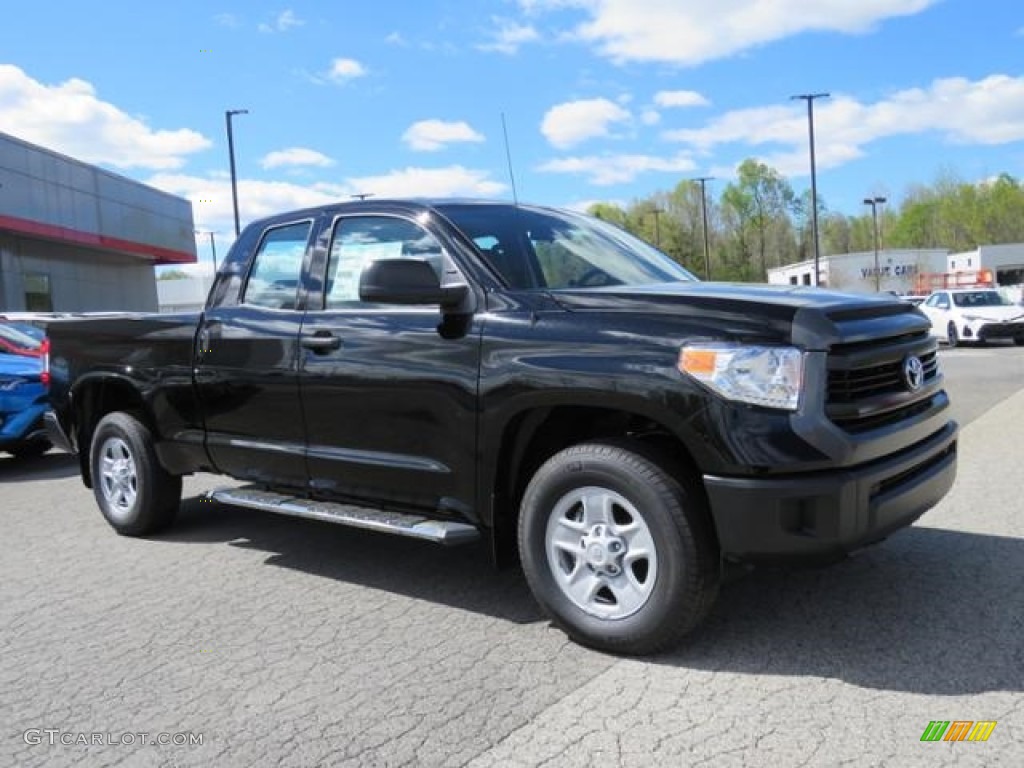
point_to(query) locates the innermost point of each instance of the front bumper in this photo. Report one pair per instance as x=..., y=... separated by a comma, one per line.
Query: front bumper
x=823, y=516
x=986, y=329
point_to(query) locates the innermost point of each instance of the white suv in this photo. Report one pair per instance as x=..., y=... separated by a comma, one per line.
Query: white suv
x=973, y=314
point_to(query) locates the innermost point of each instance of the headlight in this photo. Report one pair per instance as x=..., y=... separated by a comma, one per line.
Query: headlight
x=767, y=376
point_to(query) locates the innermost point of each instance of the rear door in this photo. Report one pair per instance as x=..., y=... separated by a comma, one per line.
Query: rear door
x=247, y=366
x=389, y=392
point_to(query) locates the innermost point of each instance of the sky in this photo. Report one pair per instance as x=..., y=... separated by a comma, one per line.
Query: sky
x=601, y=100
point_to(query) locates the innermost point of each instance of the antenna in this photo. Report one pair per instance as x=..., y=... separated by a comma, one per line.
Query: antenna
x=508, y=160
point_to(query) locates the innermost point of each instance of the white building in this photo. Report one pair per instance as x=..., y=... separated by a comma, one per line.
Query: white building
x=897, y=270
x=1005, y=263
x=184, y=294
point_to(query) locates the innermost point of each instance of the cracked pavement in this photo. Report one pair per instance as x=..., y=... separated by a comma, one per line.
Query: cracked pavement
x=296, y=643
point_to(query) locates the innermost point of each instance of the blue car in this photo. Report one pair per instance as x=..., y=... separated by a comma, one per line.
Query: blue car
x=23, y=401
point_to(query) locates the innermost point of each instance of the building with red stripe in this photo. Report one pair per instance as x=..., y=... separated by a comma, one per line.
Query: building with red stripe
x=77, y=238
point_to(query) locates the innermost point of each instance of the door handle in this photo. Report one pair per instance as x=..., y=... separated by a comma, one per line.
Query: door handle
x=321, y=341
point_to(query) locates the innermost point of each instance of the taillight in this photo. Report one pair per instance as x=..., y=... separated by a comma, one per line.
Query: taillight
x=45, y=375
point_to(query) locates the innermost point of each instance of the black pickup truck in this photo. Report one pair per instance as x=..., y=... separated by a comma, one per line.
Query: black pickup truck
x=452, y=370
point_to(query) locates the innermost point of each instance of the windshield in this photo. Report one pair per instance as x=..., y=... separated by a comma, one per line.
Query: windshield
x=535, y=248
x=980, y=299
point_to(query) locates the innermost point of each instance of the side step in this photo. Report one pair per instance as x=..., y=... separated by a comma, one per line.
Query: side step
x=415, y=526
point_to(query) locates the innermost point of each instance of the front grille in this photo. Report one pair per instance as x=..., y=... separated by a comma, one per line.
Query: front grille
x=849, y=386
x=867, y=387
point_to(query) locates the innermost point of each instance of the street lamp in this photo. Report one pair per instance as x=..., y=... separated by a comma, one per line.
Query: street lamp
x=704, y=214
x=809, y=98
x=231, y=156
x=874, y=202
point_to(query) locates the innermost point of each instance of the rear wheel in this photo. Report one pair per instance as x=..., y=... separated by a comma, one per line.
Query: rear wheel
x=1019, y=341
x=136, y=495
x=951, y=335
x=617, y=551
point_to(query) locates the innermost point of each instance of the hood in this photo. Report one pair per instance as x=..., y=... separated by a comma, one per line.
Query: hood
x=775, y=301
x=998, y=314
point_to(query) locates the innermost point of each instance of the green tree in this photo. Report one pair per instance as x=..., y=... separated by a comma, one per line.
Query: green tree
x=761, y=204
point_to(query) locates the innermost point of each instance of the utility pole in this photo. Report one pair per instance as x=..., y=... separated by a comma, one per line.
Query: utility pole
x=704, y=215
x=809, y=98
x=231, y=157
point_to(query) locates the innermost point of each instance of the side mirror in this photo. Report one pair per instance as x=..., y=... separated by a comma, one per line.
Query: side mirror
x=407, y=281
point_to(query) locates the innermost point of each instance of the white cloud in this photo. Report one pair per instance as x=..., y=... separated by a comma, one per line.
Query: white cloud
x=228, y=20
x=211, y=195
x=342, y=70
x=692, y=32
x=451, y=181
x=983, y=112
x=296, y=156
x=619, y=169
x=508, y=36
x=583, y=206
x=431, y=135
x=650, y=117
x=395, y=38
x=285, y=20
x=680, y=99
x=568, y=124
x=72, y=119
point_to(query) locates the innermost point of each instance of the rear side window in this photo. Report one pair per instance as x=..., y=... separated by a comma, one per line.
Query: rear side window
x=361, y=239
x=277, y=267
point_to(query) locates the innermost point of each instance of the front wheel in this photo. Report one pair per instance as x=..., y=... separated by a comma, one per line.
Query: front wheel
x=617, y=551
x=136, y=495
x=1019, y=341
x=952, y=337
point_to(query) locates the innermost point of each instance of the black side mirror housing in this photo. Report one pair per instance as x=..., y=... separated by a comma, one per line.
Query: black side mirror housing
x=407, y=281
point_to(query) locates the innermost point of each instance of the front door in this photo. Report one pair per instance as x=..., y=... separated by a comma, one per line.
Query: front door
x=390, y=394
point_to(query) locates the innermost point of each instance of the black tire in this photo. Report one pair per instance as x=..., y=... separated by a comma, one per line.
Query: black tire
x=136, y=495
x=632, y=483
x=952, y=337
x=32, y=450
x=1018, y=341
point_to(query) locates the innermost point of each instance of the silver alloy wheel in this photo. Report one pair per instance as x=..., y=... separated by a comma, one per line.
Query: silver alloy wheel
x=601, y=552
x=118, y=478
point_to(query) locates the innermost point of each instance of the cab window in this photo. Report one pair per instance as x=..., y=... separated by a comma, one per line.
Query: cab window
x=277, y=267
x=359, y=240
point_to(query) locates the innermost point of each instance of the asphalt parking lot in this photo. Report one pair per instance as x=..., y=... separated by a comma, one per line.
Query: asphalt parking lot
x=292, y=643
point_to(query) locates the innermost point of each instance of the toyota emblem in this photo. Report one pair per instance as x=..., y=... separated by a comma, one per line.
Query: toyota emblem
x=913, y=373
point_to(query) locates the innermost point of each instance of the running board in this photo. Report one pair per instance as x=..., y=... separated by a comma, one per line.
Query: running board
x=414, y=526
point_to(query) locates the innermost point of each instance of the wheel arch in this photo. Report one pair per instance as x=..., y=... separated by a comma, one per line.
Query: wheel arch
x=92, y=399
x=535, y=434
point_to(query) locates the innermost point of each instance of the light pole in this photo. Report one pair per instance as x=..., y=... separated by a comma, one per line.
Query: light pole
x=809, y=98
x=656, y=211
x=231, y=156
x=874, y=202
x=704, y=215
x=213, y=247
